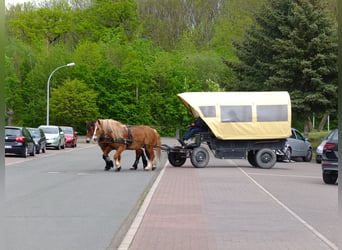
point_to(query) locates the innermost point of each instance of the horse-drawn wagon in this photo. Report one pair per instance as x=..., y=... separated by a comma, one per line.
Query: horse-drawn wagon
x=242, y=125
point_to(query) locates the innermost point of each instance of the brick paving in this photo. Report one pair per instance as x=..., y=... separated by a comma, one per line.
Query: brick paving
x=217, y=208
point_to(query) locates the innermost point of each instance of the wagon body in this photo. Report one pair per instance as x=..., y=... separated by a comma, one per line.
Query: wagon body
x=242, y=125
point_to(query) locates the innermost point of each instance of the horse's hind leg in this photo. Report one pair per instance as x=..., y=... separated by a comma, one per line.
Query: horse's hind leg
x=150, y=154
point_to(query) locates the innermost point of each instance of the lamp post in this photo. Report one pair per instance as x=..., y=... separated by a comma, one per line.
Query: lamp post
x=48, y=89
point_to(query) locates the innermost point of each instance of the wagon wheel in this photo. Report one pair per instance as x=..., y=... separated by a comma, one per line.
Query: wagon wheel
x=199, y=157
x=265, y=158
x=251, y=158
x=177, y=159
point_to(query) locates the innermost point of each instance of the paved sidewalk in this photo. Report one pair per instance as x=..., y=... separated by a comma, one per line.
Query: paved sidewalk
x=213, y=209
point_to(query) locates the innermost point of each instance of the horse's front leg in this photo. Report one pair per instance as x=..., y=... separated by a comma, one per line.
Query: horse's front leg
x=117, y=158
x=105, y=156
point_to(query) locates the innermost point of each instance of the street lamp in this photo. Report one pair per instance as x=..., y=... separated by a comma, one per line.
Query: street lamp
x=48, y=89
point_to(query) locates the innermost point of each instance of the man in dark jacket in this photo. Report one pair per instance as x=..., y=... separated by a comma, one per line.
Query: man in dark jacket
x=194, y=128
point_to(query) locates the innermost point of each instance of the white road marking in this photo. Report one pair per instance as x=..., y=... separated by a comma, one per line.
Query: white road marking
x=296, y=216
x=138, y=219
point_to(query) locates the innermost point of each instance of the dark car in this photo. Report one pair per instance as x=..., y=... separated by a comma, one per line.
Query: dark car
x=19, y=141
x=297, y=146
x=70, y=136
x=319, y=149
x=330, y=159
x=39, y=138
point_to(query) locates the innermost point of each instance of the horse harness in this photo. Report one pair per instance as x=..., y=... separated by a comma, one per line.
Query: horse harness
x=110, y=140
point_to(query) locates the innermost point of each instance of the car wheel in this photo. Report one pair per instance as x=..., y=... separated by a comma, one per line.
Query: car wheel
x=329, y=178
x=63, y=145
x=44, y=149
x=59, y=146
x=37, y=149
x=33, y=151
x=288, y=154
x=308, y=156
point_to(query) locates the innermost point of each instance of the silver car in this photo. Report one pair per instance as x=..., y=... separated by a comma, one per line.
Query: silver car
x=297, y=146
x=54, y=136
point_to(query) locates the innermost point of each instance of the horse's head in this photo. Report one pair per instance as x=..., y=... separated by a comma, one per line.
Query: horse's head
x=90, y=126
x=98, y=129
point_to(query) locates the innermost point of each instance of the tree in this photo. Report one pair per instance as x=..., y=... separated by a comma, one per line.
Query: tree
x=72, y=104
x=292, y=46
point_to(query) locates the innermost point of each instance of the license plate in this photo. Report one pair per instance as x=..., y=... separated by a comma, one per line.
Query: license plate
x=8, y=146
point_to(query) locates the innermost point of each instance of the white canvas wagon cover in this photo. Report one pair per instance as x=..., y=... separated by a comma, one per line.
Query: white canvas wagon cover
x=242, y=115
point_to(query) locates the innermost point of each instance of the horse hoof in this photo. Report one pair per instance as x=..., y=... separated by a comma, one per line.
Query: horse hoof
x=106, y=168
x=133, y=168
x=154, y=168
x=111, y=164
x=118, y=169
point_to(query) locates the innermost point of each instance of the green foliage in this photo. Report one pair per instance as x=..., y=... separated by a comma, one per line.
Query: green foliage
x=292, y=46
x=136, y=56
x=72, y=104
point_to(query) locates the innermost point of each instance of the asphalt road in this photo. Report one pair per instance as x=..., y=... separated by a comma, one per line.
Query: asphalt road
x=64, y=200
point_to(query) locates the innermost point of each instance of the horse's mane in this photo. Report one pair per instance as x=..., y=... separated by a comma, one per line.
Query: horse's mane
x=113, y=128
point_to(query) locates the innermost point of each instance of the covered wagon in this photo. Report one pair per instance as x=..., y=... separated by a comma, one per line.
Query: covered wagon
x=242, y=125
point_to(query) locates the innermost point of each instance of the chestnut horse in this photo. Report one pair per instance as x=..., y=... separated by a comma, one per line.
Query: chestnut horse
x=125, y=137
x=106, y=144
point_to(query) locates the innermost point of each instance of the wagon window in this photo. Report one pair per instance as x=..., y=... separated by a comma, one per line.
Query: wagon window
x=272, y=113
x=208, y=111
x=236, y=113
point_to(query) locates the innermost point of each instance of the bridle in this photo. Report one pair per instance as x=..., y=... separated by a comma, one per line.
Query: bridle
x=94, y=134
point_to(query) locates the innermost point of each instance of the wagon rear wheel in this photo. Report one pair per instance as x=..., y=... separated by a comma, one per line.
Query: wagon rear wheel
x=199, y=157
x=265, y=158
x=251, y=158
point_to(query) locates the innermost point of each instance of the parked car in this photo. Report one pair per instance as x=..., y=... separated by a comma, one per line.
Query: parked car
x=54, y=136
x=70, y=136
x=297, y=146
x=19, y=141
x=319, y=149
x=330, y=159
x=39, y=138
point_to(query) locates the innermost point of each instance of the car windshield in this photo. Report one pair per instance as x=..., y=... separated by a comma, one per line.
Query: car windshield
x=50, y=130
x=67, y=130
x=12, y=132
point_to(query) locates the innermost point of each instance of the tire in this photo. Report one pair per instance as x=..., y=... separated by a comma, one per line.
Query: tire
x=177, y=159
x=37, y=149
x=329, y=178
x=199, y=157
x=25, y=152
x=59, y=146
x=265, y=158
x=33, y=151
x=308, y=156
x=251, y=158
x=44, y=149
x=288, y=154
